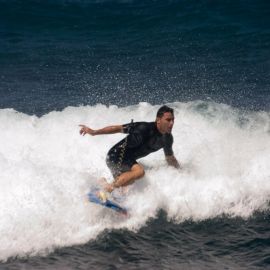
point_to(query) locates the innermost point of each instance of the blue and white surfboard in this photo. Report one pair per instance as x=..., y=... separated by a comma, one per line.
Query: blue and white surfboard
x=98, y=197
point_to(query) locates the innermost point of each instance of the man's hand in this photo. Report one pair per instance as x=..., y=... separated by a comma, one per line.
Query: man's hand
x=172, y=161
x=86, y=130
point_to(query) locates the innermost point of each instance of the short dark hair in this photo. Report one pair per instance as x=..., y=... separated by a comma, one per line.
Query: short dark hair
x=163, y=110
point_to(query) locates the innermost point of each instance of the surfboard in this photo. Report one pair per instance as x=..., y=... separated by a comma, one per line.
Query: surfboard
x=98, y=197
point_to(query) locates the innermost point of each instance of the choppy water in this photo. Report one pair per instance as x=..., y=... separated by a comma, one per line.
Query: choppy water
x=65, y=63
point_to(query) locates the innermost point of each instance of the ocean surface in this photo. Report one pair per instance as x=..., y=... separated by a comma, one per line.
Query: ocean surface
x=70, y=62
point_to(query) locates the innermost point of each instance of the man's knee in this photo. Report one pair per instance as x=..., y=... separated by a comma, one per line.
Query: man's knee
x=142, y=172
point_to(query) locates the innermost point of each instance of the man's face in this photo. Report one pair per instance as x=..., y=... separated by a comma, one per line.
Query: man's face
x=165, y=123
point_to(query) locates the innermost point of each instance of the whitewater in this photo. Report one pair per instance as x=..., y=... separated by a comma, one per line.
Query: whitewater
x=47, y=168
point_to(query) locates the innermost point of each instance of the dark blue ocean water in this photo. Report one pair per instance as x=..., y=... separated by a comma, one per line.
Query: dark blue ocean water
x=211, y=244
x=59, y=53
x=55, y=54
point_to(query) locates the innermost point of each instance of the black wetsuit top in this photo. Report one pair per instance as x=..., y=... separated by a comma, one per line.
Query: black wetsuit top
x=143, y=139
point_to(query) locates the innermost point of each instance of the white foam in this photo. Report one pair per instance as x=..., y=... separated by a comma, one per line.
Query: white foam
x=46, y=169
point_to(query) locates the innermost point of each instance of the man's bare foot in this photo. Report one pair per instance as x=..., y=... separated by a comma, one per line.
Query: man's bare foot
x=102, y=196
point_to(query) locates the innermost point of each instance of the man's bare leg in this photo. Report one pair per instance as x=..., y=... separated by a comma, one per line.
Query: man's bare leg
x=126, y=178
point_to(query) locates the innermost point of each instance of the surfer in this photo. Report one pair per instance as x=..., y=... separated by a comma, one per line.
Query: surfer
x=143, y=138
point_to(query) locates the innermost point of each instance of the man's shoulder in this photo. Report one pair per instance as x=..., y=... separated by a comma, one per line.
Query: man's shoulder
x=138, y=127
x=144, y=126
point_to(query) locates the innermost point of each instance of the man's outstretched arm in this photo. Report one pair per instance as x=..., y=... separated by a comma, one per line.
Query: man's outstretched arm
x=106, y=130
x=172, y=161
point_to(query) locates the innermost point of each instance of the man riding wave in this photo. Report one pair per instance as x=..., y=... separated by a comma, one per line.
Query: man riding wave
x=143, y=138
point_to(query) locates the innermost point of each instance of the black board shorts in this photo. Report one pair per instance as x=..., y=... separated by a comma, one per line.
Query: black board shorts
x=115, y=165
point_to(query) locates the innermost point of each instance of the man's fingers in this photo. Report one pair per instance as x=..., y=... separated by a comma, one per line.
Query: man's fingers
x=83, y=129
x=86, y=130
